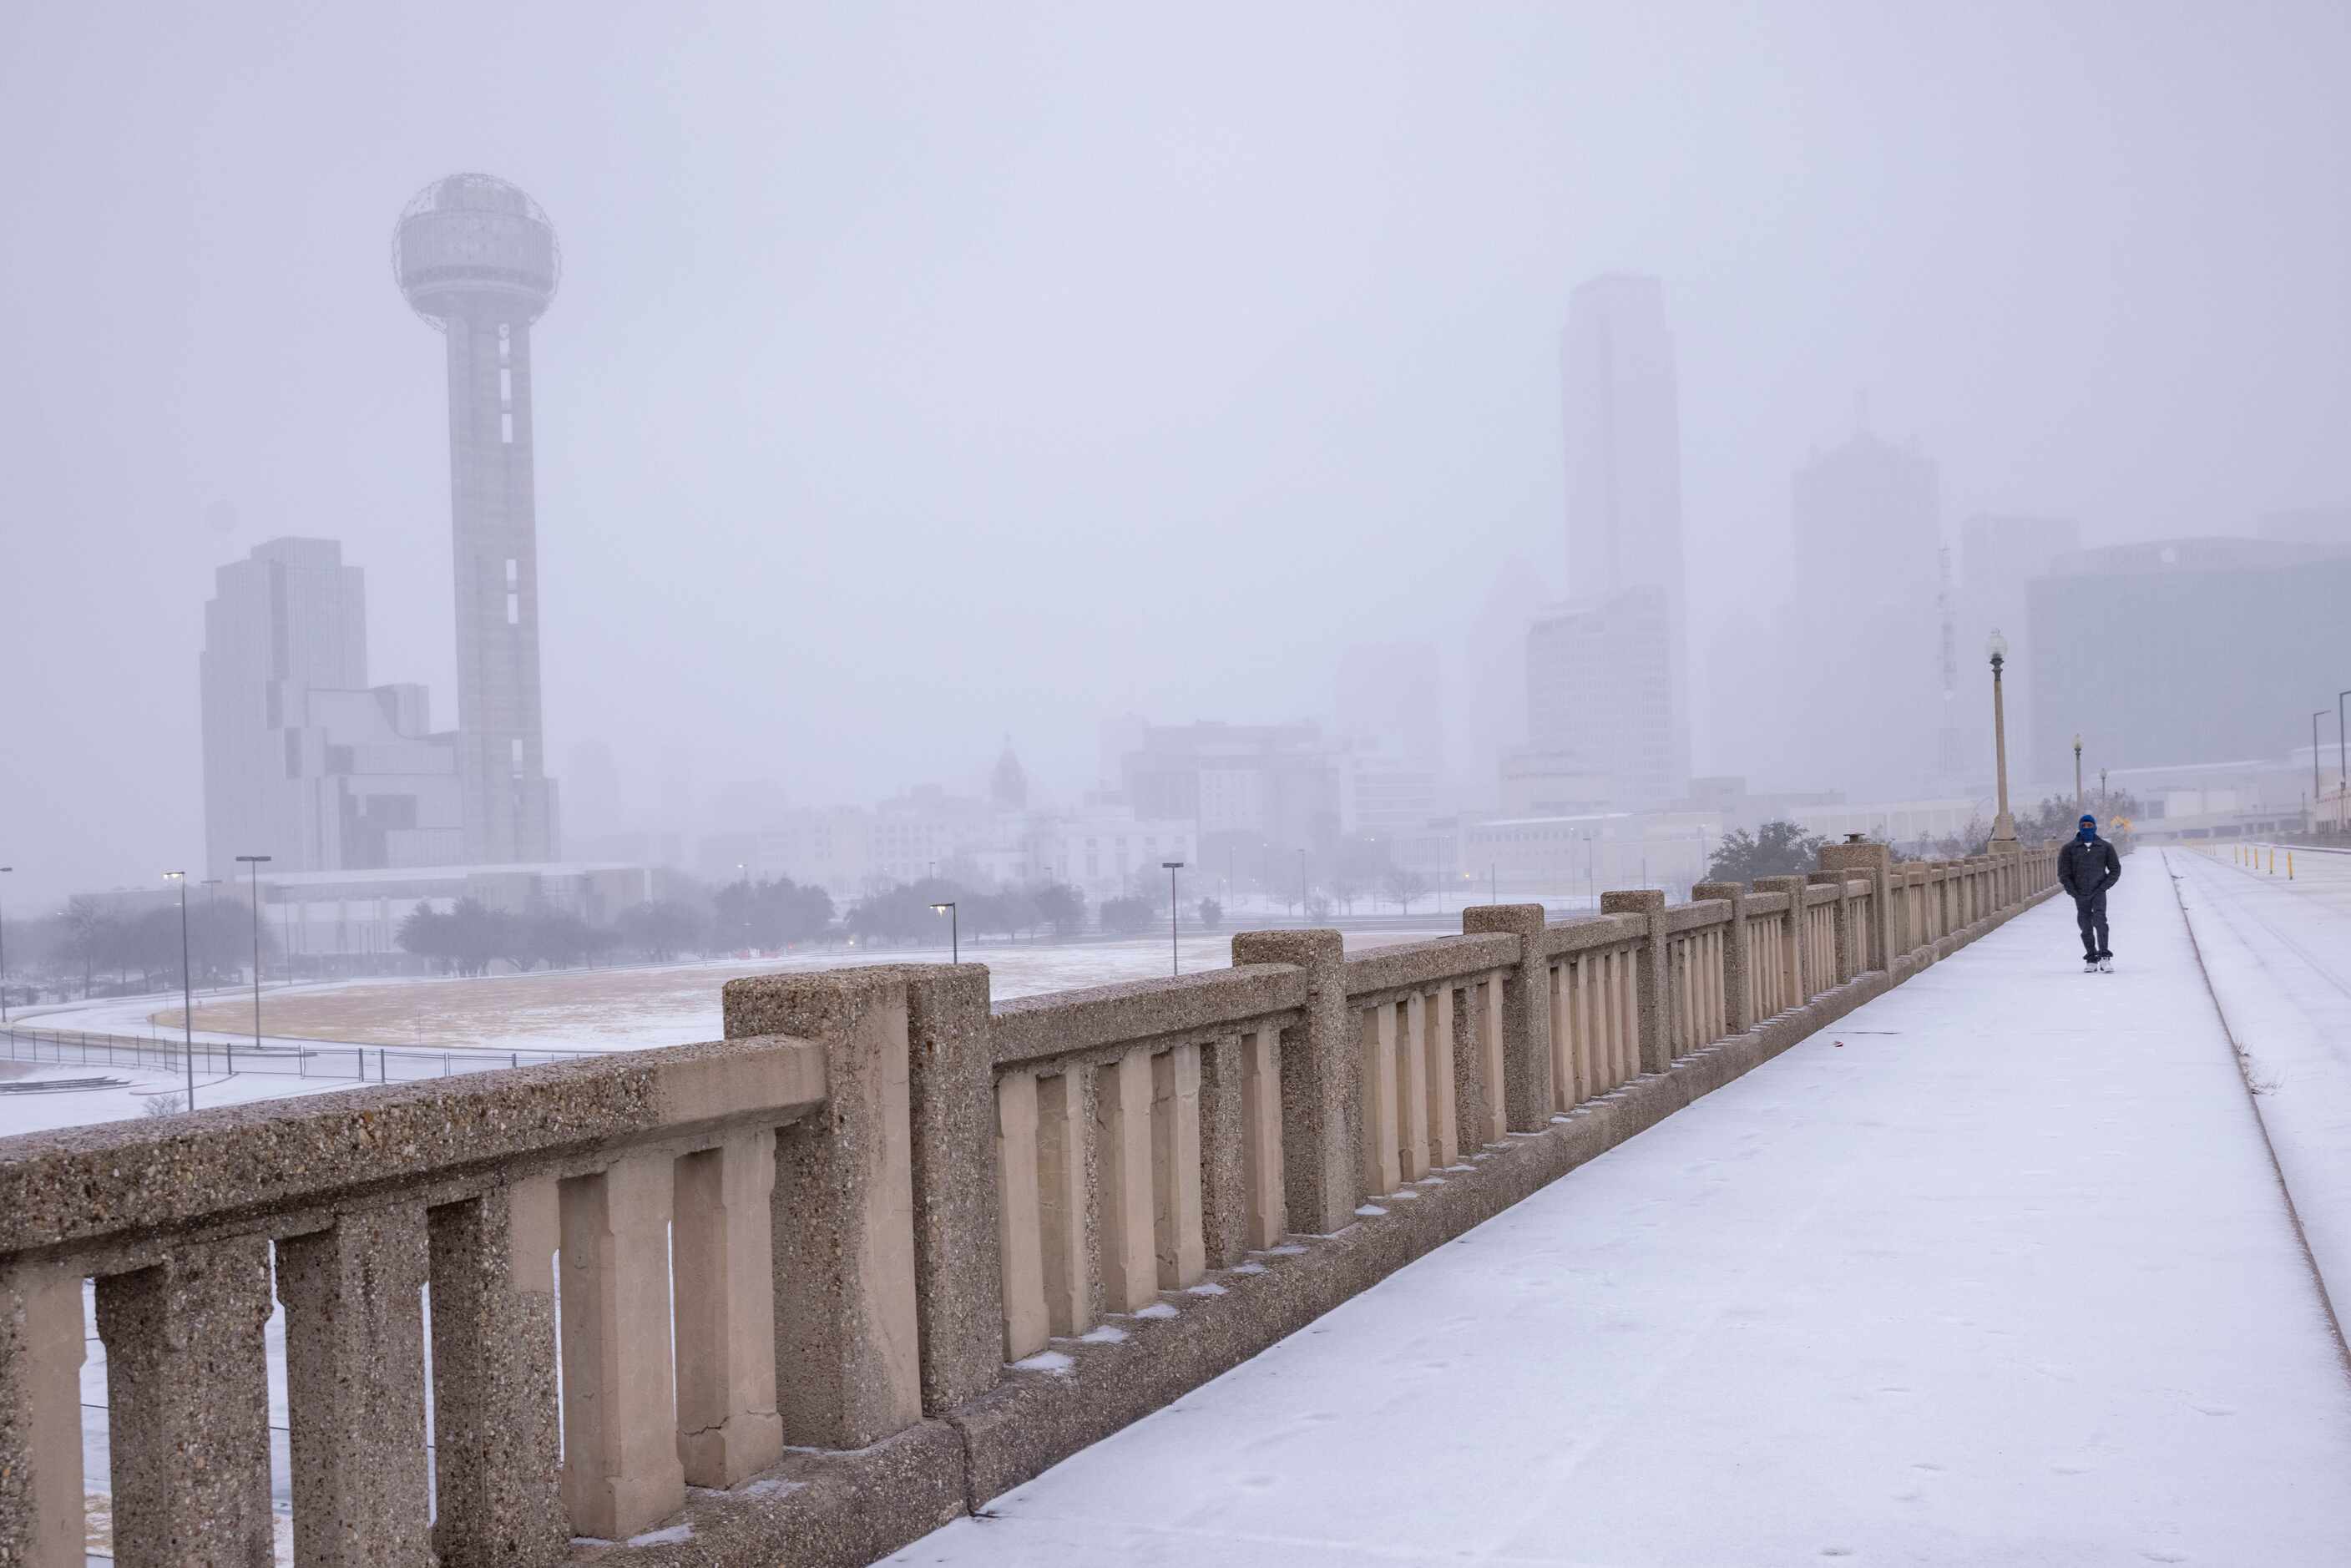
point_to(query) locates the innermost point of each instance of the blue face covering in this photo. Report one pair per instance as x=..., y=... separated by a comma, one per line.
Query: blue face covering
x=2089, y=830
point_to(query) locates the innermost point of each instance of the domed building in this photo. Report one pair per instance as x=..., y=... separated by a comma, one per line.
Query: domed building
x=1008, y=787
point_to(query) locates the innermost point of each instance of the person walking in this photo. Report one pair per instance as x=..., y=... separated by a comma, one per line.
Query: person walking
x=2086, y=867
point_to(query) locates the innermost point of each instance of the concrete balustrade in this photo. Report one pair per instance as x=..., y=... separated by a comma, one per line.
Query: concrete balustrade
x=806, y=1254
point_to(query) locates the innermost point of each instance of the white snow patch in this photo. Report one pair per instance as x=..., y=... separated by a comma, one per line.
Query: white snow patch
x=1155, y=1310
x=1248, y=1268
x=774, y=1486
x=1371, y=1210
x=1051, y=1361
x=1206, y=1288
x=1103, y=1333
x=1287, y=1250
x=675, y=1533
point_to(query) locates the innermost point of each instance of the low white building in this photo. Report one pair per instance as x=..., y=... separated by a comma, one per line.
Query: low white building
x=349, y=921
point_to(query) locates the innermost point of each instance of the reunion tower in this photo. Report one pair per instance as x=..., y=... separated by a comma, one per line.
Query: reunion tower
x=477, y=260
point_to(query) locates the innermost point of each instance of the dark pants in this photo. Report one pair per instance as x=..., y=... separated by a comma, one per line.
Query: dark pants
x=2090, y=914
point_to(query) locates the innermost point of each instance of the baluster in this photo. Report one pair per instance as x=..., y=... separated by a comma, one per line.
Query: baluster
x=1443, y=1117
x=1412, y=1091
x=355, y=1389
x=724, y=1267
x=494, y=1423
x=41, y=1353
x=1268, y=1212
x=1018, y=1209
x=1223, y=1152
x=187, y=1385
x=1066, y=1215
x=1180, y=1255
x=1130, y=1270
x=1498, y=1114
x=620, y=1466
x=1376, y=1031
x=1565, y=1094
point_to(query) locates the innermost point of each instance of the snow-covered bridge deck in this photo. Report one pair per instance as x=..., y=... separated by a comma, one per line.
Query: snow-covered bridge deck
x=1998, y=1271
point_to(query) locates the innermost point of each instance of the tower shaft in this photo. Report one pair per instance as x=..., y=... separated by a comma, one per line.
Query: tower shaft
x=509, y=807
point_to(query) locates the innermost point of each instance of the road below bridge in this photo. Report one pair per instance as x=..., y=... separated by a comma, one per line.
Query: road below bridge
x=1998, y=1271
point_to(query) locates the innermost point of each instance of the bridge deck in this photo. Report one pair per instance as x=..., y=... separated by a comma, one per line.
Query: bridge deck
x=1997, y=1271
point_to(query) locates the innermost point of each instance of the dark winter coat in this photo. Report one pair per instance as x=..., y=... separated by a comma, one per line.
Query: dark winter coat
x=2087, y=870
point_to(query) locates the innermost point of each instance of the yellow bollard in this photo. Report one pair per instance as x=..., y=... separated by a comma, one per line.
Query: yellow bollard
x=2272, y=870
x=2289, y=865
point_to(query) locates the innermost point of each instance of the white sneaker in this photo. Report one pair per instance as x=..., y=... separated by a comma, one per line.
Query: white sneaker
x=2106, y=966
x=2089, y=966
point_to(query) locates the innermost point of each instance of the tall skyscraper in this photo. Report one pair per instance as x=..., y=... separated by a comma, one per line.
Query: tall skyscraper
x=1869, y=578
x=304, y=761
x=477, y=260
x=1624, y=440
x=1623, y=629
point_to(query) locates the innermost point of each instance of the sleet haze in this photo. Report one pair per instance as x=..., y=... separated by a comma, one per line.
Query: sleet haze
x=922, y=375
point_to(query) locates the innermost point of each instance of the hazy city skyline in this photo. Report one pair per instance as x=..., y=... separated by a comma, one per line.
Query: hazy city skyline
x=926, y=376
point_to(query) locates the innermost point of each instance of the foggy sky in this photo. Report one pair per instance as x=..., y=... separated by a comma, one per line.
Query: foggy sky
x=922, y=375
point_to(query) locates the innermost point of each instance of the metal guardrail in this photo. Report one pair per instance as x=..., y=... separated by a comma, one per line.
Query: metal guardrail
x=214, y=1059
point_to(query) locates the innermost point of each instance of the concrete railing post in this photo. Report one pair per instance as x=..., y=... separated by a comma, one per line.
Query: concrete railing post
x=493, y=1426
x=1527, y=1084
x=1877, y=948
x=187, y=1384
x=1738, y=985
x=1650, y=982
x=355, y=1389
x=41, y=1353
x=1322, y=1080
x=848, y=1351
x=951, y=1089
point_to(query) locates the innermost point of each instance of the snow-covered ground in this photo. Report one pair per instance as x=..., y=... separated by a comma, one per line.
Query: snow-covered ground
x=2279, y=953
x=1995, y=1271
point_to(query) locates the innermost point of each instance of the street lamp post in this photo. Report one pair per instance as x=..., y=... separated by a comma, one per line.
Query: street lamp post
x=2077, y=772
x=3, y=957
x=187, y=1001
x=2003, y=826
x=955, y=932
x=1301, y=887
x=2342, y=759
x=256, y=862
x=2318, y=791
x=212, y=902
x=1175, y=964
